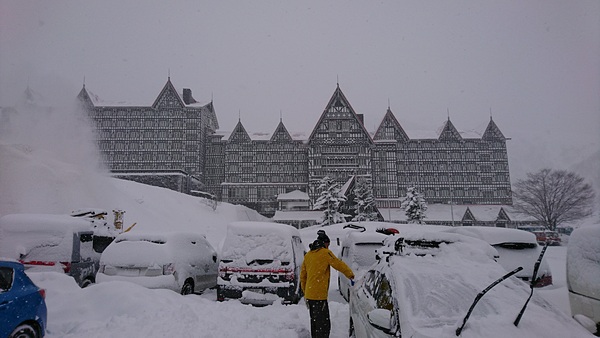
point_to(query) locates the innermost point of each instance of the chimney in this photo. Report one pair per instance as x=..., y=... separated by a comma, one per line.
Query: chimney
x=187, y=96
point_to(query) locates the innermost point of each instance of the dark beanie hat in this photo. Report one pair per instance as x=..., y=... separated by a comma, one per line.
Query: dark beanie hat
x=322, y=236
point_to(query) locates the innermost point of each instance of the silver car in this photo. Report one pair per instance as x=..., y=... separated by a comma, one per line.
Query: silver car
x=179, y=261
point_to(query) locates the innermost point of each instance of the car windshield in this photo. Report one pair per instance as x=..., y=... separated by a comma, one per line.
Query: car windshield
x=364, y=254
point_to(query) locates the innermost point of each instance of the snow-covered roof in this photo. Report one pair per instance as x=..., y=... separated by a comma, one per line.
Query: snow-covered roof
x=494, y=235
x=295, y=195
x=305, y=215
x=39, y=236
x=254, y=228
x=266, y=136
x=447, y=212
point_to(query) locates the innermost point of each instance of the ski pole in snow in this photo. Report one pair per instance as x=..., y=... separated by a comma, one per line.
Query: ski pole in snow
x=532, y=283
x=480, y=295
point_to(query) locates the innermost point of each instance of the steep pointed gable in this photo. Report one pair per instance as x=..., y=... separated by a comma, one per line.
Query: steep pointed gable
x=468, y=216
x=239, y=134
x=168, y=97
x=449, y=132
x=503, y=216
x=85, y=98
x=281, y=134
x=390, y=129
x=492, y=132
x=338, y=109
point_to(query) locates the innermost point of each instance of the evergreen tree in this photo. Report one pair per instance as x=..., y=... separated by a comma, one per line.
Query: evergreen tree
x=364, y=202
x=414, y=206
x=330, y=201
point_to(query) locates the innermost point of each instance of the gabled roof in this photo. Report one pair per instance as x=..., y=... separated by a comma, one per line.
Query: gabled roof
x=388, y=124
x=338, y=101
x=492, y=132
x=85, y=97
x=239, y=134
x=281, y=134
x=295, y=195
x=168, y=97
x=449, y=132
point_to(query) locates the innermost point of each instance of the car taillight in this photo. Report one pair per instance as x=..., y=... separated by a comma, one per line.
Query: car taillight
x=42, y=293
x=545, y=280
x=289, y=275
x=223, y=273
x=66, y=266
x=168, y=269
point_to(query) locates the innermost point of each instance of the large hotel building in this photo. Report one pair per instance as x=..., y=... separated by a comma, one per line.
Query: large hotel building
x=175, y=142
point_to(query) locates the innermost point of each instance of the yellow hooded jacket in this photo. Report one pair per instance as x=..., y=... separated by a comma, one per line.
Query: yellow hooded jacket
x=314, y=276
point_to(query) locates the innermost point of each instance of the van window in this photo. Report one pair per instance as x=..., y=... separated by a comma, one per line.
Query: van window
x=101, y=242
x=6, y=278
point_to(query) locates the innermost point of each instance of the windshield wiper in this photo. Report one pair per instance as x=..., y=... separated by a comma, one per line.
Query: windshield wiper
x=532, y=284
x=459, y=330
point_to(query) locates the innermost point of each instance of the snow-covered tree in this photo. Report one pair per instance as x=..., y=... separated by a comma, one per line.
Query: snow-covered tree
x=414, y=205
x=330, y=201
x=364, y=202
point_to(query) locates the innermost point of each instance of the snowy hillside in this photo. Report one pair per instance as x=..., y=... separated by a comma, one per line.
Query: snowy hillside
x=34, y=181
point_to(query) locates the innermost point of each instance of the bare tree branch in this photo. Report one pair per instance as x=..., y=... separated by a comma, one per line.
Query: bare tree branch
x=554, y=197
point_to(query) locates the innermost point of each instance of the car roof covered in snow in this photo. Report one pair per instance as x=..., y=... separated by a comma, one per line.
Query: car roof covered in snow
x=436, y=290
x=363, y=237
x=251, y=228
x=494, y=235
x=49, y=223
x=157, y=236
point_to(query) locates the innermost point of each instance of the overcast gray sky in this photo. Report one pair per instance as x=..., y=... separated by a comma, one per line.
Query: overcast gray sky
x=535, y=64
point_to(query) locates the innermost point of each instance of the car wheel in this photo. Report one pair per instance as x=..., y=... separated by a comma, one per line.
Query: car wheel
x=188, y=287
x=24, y=331
x=86, y=282
x=351, y=332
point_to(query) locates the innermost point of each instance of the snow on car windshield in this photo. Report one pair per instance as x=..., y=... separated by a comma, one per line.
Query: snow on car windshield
x=258, y=243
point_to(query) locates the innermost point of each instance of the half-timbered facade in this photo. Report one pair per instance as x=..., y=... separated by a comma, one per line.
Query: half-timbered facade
x=175, y=133
x=163, y=144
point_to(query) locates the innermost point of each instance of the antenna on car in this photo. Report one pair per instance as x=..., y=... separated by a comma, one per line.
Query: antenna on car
x=532, y=283
x=480, y=295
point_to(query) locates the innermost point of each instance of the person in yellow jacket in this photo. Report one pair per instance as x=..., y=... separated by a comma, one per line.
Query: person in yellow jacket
x=314, y=281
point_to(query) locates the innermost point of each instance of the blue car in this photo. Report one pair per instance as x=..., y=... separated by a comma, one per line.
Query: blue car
x=23, y=310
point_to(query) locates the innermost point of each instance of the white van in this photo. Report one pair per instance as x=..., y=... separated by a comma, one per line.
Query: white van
x=583, y=276
x=47, y=241
x=260, y=263
x=359, y=253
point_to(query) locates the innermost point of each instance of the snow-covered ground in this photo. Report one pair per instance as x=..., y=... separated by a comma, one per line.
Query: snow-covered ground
x=35, y=181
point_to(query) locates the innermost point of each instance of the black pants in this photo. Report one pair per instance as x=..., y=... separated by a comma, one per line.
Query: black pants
x=320, y=325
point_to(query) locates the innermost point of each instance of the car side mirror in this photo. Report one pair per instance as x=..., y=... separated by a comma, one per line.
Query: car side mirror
x=586, y=322
x=381, y=319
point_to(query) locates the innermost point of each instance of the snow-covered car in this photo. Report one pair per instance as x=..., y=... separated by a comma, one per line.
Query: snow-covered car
x=583, y=275
x=260, y=263
x=180, y=261
x=23, y=311
x=358, y=252
x=515, y=248
x=441, y=284
x=51, y=242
